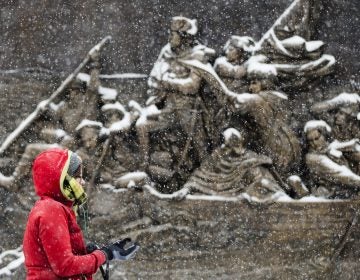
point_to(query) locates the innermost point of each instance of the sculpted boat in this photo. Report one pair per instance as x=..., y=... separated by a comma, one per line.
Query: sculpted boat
x=206, y=237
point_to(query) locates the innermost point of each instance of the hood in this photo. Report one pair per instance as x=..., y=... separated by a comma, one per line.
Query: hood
x=49, y=170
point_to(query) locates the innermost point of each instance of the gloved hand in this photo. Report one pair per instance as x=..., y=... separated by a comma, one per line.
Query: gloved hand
x=121, y=250
x=91, y=247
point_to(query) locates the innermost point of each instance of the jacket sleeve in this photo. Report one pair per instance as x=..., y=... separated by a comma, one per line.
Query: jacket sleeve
x=55, y=238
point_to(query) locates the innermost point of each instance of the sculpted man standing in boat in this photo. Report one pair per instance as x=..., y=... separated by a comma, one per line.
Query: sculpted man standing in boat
x=176, y=90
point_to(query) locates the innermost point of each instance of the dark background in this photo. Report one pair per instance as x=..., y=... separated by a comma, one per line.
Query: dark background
x=56, y=34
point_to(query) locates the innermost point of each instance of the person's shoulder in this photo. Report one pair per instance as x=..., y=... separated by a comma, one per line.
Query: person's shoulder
x=48, y=208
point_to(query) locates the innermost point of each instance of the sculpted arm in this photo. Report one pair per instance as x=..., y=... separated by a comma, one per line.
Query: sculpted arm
x=228, y=70
x=188, y=85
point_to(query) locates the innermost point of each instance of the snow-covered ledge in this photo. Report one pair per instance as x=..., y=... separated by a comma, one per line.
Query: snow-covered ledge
x=18, y=260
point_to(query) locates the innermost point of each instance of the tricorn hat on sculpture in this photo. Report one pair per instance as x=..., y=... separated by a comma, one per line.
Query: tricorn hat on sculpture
x=184, y=25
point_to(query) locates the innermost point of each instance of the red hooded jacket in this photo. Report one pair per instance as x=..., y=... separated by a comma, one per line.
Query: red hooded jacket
x=53, y=242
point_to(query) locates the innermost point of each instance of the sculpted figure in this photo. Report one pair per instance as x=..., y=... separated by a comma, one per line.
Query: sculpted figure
x=65, y=115
x=70, y=112
x=263, y=112
x=82, y=100
x=176, y=90
x=328, y=167
x=341, y=112
x=147, y=120
x=168, y=74
x=232, y=169
x=57, y=123
x=232, y=67
x=121, y=146
x=346, y=123
x=88, y=136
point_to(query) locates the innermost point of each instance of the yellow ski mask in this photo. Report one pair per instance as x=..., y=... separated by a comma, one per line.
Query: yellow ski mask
x=69, y=186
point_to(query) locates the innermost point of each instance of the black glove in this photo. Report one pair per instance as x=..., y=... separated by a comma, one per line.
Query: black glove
x=91, y=247
x=121, y=250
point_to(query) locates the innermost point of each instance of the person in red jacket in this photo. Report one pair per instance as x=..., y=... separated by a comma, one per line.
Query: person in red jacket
x=53, y=244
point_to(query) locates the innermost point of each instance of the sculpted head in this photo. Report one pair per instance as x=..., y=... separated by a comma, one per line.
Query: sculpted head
x=182, y=32
x=238, y=49
x=317, y=133
x=234, y=140
x=112, y=113
x=89, y=133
